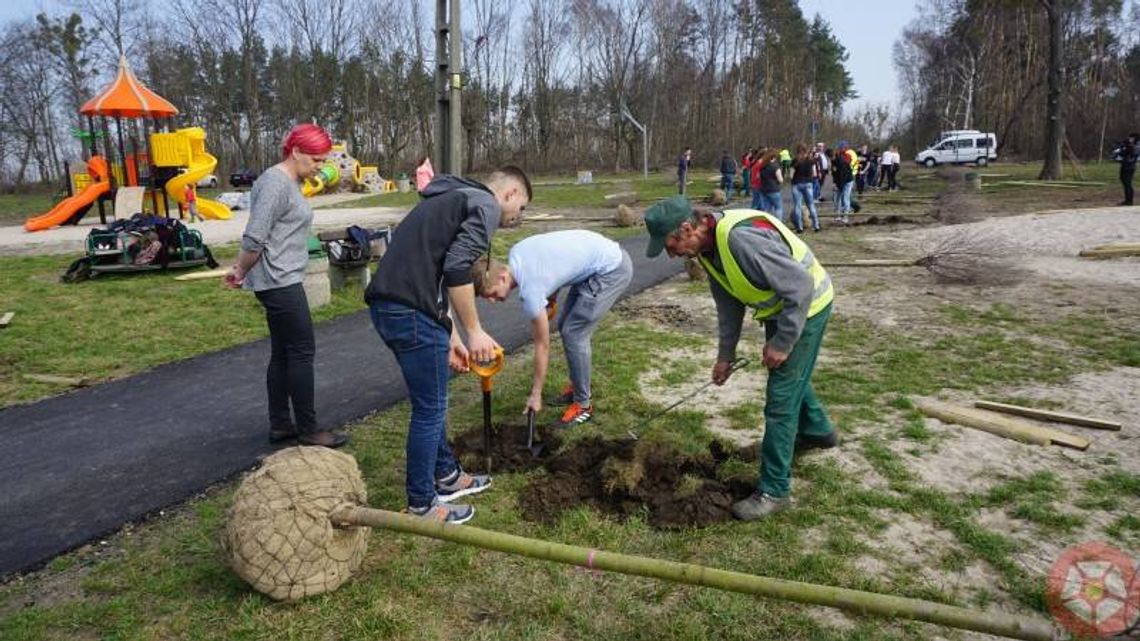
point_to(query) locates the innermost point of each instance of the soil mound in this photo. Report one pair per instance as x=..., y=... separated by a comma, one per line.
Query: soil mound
x=508, y=448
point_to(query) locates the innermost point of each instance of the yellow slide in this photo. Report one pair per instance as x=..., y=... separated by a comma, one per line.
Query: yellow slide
x=201, y=163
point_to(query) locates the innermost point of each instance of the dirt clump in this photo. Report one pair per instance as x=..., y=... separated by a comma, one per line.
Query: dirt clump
x=664, y=313
x=508, y=448
x=627, y=477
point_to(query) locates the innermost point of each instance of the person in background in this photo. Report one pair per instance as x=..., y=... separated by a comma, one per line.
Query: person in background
x=272, y=261
x=803, y=180
x=727, y=174
x=1127, y=154
x=771, y=178
x=786, y=161
x=754, y=170
x=746, y=172
x=192, y=203
x=684, y=161
x=424, y=173
x=843, y=174
x=822, y=166
x=873, y=169
x=861, y=172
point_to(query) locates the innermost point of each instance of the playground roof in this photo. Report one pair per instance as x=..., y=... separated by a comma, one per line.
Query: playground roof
x=128, y=98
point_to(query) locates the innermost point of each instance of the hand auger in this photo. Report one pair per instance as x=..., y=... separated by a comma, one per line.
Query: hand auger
x=739, y=363
x=486, y=372
x=299, y=526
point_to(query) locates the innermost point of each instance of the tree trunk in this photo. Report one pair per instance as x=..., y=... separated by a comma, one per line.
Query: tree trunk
x=1055, y=113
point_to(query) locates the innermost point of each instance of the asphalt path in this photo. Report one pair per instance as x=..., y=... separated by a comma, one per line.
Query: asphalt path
x=78, y=466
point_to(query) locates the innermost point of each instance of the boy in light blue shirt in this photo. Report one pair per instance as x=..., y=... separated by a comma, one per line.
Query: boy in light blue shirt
x=596, y=269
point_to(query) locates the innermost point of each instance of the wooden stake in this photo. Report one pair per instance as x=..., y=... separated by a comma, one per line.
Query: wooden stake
x=873, y=262
x=1116, y=252
x=213, y=273
x=1000, y=425
x=52, y=379
x=1046, y=415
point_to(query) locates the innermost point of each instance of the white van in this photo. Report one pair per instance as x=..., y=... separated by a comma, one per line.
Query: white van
x=958, y=147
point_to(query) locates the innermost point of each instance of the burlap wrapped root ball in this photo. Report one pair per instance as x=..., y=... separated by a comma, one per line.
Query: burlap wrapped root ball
x=717, y=197
x=279, y=536
x=625, y=216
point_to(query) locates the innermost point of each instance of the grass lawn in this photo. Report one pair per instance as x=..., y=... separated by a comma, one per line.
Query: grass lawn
x=867, y=516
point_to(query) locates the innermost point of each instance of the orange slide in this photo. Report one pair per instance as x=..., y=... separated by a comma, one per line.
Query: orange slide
x=69, y=207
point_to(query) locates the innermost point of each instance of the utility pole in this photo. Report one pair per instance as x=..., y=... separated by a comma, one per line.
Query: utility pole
x=448, y=86
x=644, y=140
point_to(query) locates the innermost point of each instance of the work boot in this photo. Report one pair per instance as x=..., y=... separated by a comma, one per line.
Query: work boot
x=759, y=505
x=460, y=483
x=806, y=442
x=282, y=433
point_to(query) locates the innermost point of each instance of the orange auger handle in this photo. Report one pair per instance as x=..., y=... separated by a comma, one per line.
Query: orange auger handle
x=488, y=369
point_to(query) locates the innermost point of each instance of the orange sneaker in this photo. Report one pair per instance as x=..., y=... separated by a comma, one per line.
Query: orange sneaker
x=576, y=415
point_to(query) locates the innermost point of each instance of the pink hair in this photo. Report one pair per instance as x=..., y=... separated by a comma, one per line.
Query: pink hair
x=306, y=138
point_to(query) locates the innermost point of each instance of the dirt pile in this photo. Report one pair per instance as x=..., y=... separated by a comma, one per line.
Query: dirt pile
x=508, y=448
x=628, y=477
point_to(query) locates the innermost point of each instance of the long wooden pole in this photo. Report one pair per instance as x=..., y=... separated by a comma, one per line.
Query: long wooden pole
x=852, y=600
x=1046, y=415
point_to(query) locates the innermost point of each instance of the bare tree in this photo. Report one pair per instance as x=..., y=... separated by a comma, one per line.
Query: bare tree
x=1055, y=111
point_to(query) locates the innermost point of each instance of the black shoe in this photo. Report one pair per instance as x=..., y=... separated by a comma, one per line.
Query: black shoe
x=282, y=433
x=323, y=439
x=1124, y=204
x=805, y=443
x=563, y=399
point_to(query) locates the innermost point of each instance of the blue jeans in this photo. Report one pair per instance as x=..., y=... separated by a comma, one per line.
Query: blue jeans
x=421, y=347
x=816, y=187
x=773, y=203
x=802, y=195
x=843, y=204
x=726, y=181
x=757, y=199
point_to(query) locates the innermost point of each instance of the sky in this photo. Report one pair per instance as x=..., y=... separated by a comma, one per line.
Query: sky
x=867, y=30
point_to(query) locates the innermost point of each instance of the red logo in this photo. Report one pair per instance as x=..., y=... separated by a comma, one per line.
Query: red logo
x=1094, y=590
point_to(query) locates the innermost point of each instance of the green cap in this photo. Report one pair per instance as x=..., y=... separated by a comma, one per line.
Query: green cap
x=663, y=219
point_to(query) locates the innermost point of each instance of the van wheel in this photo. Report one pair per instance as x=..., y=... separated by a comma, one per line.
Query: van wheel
x=982, y=162
x=929, y=162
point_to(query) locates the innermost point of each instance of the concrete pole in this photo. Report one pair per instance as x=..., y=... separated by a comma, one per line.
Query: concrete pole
x=455, y=128
x=448, y=85
x=442, y=116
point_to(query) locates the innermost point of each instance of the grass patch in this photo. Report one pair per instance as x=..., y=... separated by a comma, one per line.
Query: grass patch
x=745, y=416
x=1032, y=499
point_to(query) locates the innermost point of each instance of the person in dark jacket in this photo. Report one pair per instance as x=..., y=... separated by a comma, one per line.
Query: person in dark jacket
x=727, y=174
x=1127, y=153
x=426, y=272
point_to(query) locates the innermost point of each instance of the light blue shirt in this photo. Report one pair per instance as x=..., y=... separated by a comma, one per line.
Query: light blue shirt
x=544, y=263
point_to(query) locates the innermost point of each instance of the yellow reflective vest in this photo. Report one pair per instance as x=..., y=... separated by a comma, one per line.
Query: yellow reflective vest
x=765, y=301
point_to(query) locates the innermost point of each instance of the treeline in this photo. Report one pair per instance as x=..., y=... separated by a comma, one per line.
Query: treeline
x=546, y=81
x=983, y=64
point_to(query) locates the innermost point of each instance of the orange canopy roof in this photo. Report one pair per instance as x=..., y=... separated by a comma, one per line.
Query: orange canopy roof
x=128, y=98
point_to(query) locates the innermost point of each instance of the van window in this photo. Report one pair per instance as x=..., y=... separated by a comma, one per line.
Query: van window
x=964, y=143
x=982, y=142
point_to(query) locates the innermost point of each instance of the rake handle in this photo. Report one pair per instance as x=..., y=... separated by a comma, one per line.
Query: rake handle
x=843, y=598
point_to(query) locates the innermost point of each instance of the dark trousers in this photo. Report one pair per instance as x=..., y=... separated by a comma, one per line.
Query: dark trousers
x=1127, y=171
x=289, y=377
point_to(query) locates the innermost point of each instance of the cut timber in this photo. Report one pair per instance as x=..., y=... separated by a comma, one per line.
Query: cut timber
x=1046, y=415
x=1033, y=183
x=1118, y=246
x=541, y=217
x=213, y=273
x=1112, y=251
x=6, y=318
x=58, y=380
x=873, y=262
x=621, y=198
x=1000, y=425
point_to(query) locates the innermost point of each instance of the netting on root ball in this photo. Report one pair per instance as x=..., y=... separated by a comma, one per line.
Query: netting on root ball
x=279, y=536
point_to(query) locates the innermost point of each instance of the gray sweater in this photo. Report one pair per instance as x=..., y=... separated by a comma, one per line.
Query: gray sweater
x=767, y=262
x=278, y=228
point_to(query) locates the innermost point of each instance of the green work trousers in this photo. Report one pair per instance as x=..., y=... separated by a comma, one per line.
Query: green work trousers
x=791, y=408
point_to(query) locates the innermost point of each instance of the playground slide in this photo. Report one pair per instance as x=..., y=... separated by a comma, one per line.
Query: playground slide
x=68, y=207
x=200, y=164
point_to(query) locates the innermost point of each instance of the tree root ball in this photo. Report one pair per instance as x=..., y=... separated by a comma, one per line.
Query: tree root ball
x=717, y=197
x=694, y=269
x=625, y=216
x=279, y=536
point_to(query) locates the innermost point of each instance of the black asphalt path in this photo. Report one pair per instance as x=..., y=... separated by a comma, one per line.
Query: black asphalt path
x=78, y=466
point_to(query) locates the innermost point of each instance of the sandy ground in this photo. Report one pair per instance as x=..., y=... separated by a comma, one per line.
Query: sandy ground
x=14, y=241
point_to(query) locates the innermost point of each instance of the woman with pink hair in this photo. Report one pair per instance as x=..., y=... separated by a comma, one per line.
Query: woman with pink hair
x=271, y=264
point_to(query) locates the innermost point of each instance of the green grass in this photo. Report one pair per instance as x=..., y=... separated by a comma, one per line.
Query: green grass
x=18, y=207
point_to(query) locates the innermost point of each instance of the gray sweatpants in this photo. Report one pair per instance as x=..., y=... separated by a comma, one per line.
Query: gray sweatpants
x=585, y=305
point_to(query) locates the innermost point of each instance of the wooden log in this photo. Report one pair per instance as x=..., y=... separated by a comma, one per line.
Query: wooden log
x=872, y=262
x=1000, y=425
x=6, y=319
x=621, y=198
x=52, y=379
x=1117, y=246
x=1046, y=415
x=1121, y=252
x=213, y=273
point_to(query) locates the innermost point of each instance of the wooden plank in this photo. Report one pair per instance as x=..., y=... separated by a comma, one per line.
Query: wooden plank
x=213, y=273
x=6, y=319
x=1000, y=425
x=1046, y=415
x=1110, y=253
x=871, y=262
x=58, y=380
x=1117, y=246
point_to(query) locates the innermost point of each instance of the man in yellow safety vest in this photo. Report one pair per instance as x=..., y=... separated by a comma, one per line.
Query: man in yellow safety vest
x=754, y=261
